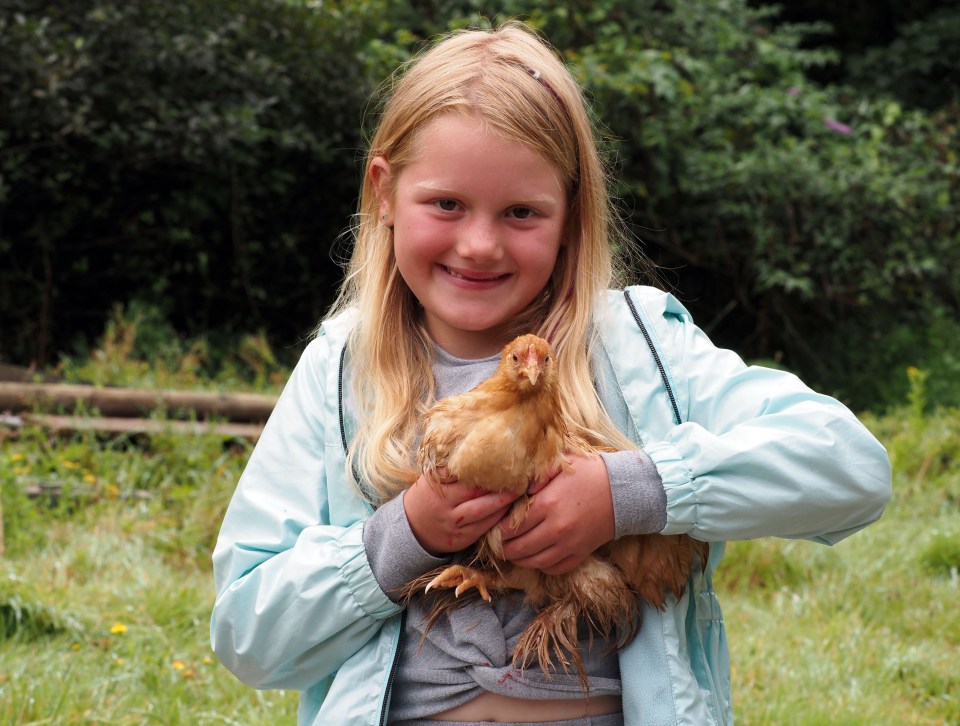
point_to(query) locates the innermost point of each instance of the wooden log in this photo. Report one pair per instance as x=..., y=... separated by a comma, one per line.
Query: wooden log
x=71, y=424
x=249, y=407
x=9, y=372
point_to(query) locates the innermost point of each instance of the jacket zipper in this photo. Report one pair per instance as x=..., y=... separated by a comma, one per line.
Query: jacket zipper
x=343, y=429
x=363, y=487
x=393, y=669
x=656, y=358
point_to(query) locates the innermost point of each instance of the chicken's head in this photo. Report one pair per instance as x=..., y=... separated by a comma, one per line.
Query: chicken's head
x=529, y=362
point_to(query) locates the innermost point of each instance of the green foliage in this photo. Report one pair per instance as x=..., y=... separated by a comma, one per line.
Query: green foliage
x=195, y=157
x=801, y=210
x=24, y=618
x=202, y=162
x=139, y=348
x=908, y=50
x=942, y=555
x=921, y=65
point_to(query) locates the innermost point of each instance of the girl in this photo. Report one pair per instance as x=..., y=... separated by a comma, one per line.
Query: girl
x=484, y=214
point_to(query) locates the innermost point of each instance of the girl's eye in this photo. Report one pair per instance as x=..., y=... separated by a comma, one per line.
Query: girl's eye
x=446, y=205
x=522, y=213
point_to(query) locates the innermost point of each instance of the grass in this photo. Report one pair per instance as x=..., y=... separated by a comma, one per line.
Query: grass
x=106, y=589
x=868, y=631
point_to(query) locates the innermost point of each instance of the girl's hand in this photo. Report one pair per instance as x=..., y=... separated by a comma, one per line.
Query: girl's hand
x=450, y=516
x=570, y=517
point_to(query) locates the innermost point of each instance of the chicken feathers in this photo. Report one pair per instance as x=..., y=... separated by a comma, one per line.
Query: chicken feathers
x=504, y=435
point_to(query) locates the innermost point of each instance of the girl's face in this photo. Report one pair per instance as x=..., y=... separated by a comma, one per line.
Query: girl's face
x=477, y=226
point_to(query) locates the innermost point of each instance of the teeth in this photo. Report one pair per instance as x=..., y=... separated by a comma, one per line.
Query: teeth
x=454, y=273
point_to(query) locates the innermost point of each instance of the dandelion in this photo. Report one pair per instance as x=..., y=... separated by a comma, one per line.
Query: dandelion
x=16, y=456
x=118, y=629
x=179, y=665
x=89, y=478
x=69, y=464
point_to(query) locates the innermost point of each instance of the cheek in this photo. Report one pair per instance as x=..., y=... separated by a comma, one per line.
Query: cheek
x=415, y=250
x=541, y=259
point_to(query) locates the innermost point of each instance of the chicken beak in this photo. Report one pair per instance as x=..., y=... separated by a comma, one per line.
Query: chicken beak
x=531, y=366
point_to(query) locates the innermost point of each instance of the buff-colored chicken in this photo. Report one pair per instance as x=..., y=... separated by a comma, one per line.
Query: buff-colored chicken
x=504, y=435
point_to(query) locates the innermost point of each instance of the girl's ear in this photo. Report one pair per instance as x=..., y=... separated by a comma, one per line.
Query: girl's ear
x=380, y=176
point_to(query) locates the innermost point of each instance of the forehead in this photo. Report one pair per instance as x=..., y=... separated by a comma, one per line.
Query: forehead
x=455, y=147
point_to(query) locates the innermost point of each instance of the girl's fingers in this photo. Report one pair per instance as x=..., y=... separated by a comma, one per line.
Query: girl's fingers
x=483, y=507
x=449, y=517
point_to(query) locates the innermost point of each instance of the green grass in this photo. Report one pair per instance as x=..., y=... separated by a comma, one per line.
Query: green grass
x=106, y=590
x=868, y=631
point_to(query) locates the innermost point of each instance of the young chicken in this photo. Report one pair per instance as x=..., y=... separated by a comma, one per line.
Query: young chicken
x=504, y=435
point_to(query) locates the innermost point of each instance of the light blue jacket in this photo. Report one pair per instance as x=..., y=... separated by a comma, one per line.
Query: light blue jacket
x=743, y=452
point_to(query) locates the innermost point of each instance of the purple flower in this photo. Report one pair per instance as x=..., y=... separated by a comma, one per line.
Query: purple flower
x=793, y=91
x=835, y=125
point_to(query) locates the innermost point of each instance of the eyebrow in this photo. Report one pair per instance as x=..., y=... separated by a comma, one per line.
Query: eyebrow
x=544, y=199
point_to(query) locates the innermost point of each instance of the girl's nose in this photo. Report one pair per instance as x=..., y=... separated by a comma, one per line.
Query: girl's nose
x=480, y=240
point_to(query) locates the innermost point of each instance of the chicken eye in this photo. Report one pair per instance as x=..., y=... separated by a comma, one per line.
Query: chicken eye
x=514, y=358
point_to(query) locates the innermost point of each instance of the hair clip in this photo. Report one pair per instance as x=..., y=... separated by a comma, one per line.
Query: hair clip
x=536, y=75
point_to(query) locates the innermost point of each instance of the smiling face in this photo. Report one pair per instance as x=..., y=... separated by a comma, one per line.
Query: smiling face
x=477, y=226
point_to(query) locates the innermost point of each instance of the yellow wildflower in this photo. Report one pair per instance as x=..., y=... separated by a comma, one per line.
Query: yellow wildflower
x=118, y=629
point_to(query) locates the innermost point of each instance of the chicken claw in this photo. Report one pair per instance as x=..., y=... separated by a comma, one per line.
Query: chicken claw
x=463, y=578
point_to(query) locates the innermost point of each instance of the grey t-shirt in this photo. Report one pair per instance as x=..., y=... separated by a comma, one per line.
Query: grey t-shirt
x=471, y=650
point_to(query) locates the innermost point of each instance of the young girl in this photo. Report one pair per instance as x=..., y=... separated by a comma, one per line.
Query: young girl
x=484, y=214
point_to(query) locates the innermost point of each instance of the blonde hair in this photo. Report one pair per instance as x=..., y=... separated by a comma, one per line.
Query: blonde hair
x=510, y=78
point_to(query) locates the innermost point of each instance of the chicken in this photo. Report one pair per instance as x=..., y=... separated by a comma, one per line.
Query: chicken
x=504, y=435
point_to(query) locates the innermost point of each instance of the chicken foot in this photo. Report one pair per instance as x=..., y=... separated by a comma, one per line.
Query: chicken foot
x=463, y=578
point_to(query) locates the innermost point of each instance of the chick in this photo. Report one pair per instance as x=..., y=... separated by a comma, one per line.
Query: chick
x=505, y=435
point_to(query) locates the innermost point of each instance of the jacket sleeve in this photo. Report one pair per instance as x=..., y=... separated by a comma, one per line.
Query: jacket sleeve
x=759, y=453
x=295, y=596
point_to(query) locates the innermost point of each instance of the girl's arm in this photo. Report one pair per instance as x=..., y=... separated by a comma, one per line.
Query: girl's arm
x=295, y=596
x=759, y=453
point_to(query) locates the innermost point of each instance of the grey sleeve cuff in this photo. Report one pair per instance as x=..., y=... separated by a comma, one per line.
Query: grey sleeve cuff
x=394, y=555
x=639, y=500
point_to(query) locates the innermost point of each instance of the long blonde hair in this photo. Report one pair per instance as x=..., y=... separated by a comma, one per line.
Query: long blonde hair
x=513, y=80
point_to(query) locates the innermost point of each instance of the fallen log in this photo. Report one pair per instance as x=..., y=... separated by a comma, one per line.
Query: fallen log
x=109, y=425
x=9, y=372
x=131, y=402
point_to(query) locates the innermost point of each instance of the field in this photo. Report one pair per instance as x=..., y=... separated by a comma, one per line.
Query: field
x=105, y=589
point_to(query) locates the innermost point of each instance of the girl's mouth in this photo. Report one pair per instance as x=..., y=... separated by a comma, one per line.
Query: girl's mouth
x=477, y=278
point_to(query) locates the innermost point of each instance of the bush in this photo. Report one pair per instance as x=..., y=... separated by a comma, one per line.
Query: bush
x=201, y=160
x=197, y=157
